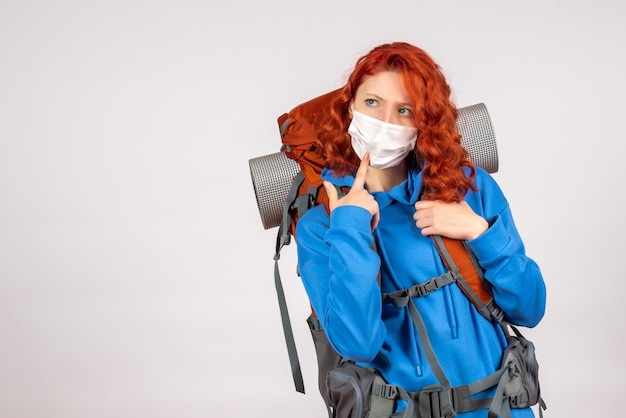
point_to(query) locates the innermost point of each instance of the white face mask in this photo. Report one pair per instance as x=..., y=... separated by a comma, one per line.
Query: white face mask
x=387, y=143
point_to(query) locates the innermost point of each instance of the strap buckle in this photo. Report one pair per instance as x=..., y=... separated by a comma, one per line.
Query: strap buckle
x=424, y=289
x=436, y=402
x=385, y=390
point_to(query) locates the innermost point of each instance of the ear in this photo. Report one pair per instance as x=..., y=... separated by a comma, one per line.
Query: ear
x=350, y=107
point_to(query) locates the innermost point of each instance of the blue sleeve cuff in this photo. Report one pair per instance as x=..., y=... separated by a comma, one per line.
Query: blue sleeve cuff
x=351, y=217
x=491, y=243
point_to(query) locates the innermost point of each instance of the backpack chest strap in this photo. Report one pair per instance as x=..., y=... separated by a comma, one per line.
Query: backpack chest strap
x=400, y=298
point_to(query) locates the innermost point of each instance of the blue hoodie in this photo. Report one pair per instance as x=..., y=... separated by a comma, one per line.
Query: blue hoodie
x=340, y=270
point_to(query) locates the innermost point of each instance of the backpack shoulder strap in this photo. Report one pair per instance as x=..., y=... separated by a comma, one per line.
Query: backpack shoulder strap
x=283, y=237
x=462, y=262
x=296, y=371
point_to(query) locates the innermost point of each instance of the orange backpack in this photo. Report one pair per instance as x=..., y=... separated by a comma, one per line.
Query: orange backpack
x=288, y=183
x=298, y=130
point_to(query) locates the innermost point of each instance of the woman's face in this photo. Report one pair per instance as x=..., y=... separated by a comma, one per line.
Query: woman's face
x=384, y=97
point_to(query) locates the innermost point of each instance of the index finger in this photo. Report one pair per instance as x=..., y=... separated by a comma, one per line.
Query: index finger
x=359, y=178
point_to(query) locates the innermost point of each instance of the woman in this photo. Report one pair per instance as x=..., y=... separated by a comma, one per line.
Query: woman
x=391, y=137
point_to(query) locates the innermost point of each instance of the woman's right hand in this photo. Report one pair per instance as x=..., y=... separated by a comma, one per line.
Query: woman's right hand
x=357, y=195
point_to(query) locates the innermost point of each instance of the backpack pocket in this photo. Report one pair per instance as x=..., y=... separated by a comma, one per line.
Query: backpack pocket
x=523, y=371
x=350, y=393
x=518, y=386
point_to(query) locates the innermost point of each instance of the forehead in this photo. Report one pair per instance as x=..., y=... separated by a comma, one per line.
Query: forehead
x=387, y=85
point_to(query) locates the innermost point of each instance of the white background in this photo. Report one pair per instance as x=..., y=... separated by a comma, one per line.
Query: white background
x=136, y=279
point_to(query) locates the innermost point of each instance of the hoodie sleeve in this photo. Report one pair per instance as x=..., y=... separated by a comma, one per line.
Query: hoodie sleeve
x=339, y=270
x=517, y=283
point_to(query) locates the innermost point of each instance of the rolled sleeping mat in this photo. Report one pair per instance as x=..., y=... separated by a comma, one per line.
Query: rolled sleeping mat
x=272, y=174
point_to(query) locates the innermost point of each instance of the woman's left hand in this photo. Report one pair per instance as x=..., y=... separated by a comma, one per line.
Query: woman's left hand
x=452, y=220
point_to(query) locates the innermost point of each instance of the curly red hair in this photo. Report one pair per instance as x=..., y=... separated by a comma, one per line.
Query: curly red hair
x=438, y=149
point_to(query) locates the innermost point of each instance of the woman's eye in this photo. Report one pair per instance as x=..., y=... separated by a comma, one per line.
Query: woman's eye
x=371, y=102
x=405, y=112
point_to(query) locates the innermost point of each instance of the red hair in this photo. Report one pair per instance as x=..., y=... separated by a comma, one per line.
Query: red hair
x=438, y=149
